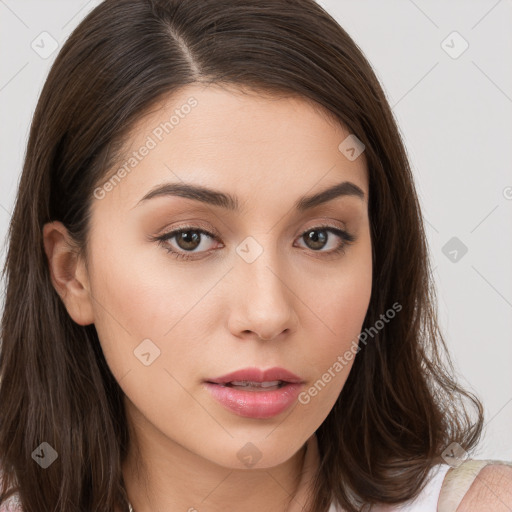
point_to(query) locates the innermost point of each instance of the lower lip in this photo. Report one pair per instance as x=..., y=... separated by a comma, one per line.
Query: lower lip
x=255, y=404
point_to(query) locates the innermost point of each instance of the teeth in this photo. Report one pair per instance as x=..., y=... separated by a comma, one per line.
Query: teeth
x=255, y=384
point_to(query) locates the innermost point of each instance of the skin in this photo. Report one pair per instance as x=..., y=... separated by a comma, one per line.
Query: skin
x=296, y=306
x=491, y=490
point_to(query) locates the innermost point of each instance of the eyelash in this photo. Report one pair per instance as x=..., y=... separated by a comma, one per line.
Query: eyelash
x=163, y=239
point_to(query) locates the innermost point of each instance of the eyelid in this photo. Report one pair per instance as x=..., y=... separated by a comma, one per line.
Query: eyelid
x=193, y=225
x=324, y=222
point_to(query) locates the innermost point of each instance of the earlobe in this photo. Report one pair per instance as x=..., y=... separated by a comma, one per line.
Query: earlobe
x=68, y=273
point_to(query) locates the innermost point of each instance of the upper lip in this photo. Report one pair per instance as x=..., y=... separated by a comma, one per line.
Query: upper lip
x=258, y=375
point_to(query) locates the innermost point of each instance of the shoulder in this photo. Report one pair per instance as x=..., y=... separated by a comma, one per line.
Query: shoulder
x=477, y=485
x=11, y=504
x=490, y=490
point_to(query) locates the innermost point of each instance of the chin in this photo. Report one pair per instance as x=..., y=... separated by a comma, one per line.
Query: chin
x=254, y=452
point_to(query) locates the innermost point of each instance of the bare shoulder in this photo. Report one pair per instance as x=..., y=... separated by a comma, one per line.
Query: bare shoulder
x=491, y=490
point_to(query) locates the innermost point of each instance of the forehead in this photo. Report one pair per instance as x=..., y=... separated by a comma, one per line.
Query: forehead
x=252, y=144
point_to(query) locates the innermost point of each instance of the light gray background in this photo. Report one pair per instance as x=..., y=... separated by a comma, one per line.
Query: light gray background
x=455, y=115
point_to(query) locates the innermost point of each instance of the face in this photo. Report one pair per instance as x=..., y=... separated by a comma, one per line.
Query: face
x=253, y=282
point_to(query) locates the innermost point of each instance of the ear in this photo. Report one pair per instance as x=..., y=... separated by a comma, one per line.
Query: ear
x=68, y=273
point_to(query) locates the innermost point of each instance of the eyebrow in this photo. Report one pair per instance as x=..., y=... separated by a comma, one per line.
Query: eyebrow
x=229, y=202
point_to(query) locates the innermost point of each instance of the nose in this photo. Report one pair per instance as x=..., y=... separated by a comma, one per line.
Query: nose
x=262, y=302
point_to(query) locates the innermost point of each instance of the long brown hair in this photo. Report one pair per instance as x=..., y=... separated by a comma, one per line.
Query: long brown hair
x=400, y=407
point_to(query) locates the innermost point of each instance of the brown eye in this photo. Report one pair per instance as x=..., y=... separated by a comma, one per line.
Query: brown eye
x=188, y=240
x=315, y=241
x=317, y=238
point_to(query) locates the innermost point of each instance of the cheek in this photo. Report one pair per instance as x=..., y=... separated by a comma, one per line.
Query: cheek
x=142, y=294
x=339, y=302
x=341, y=296
x=332, y=355
x=337, y=330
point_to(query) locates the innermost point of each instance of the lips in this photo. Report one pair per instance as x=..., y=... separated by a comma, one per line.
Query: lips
x=257, y=377
x=255, y=393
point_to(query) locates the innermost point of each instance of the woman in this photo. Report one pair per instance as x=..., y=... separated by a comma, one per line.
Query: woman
x=218, y=291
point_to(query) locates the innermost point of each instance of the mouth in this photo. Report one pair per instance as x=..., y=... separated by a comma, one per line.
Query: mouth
x=257, y=378
x=245, y=385
x=254, y=393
